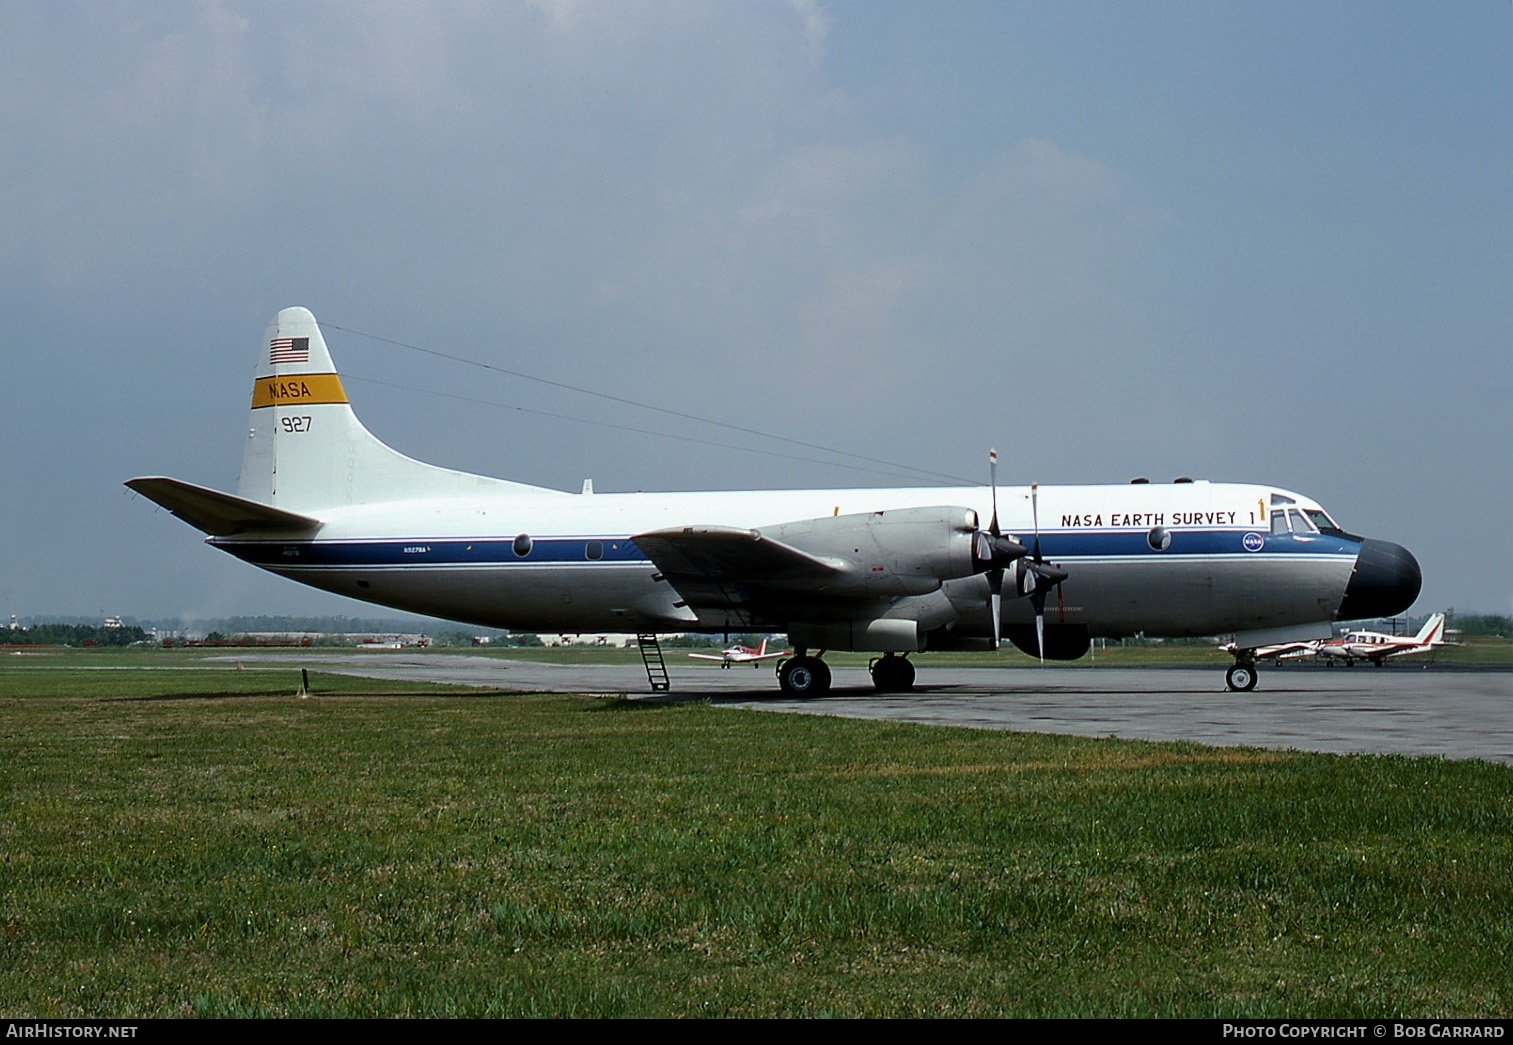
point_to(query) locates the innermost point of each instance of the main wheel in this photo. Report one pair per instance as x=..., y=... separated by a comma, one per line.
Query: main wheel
x=804, y=677
x=1241, y=678
x=892, y=674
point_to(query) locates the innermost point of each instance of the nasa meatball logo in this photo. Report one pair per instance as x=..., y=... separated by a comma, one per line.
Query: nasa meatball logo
x=1253, y=542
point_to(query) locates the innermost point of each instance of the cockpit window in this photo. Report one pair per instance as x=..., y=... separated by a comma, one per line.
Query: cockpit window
x=1287, y=516
x=1320, y=519
x=1294, y=520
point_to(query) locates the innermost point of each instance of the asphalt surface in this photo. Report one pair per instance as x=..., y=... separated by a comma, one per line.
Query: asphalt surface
x=1400, y=709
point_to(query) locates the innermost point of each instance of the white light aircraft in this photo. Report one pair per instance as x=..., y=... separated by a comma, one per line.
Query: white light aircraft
x=1359, y=644
x=1378, y=646
x=891, y=571
x=739, y=654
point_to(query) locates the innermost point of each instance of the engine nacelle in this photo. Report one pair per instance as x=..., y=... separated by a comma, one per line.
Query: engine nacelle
x=905, y=551
x=1062, y=641
x=905, y=628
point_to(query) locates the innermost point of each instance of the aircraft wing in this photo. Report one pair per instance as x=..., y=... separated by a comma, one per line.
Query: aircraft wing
x=218, y=514
x=1428, y=647
x=1288, y=650
x=1281, y=651
x=835, y=568
x=727, y=574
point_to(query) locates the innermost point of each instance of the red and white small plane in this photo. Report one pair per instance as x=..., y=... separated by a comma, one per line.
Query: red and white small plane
x=1377, y=646
x=1358, y=644
x=739, y=654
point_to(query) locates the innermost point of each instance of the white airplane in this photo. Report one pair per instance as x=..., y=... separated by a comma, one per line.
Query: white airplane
x=1351, y=646
x=1377, y=646
x=891, y=571
x=739, y=654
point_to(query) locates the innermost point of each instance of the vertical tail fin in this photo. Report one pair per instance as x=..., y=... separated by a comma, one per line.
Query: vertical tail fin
x=306, y=450
x=1433, y=631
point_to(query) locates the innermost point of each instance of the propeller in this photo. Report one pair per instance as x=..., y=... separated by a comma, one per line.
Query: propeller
x=1042, y=576
x=1033, y=575
x=997, y=552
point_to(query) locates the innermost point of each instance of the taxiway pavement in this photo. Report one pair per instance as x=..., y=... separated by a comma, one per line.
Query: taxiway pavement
x=1407, y=710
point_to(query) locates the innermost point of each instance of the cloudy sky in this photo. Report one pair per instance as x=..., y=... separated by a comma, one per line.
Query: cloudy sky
x=1266, y=242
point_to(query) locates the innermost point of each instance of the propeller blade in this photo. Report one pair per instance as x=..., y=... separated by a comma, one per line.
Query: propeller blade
x=1035, y=515
x=993, y=483
x=995, y=604
x=1037, y=600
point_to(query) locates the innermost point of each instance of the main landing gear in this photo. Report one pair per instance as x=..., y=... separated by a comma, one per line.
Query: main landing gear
x=803, y=676
x=892, y=673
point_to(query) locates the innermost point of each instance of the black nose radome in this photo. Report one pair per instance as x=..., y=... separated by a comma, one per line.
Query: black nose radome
x=1385, y=582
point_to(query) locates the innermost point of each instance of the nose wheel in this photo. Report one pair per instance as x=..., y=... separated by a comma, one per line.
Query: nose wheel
x=1241, y=678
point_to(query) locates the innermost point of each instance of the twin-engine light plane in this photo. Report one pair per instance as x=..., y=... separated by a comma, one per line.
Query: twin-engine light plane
x=888, y=571
x=1359, y=644
x=1378, y=647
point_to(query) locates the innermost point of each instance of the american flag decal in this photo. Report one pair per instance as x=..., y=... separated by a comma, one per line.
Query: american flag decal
x=289, y=350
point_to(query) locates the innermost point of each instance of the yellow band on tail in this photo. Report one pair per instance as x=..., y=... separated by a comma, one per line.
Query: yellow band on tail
x=297, y=390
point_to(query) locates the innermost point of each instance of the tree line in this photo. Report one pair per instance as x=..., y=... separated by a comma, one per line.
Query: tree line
x=73, y=635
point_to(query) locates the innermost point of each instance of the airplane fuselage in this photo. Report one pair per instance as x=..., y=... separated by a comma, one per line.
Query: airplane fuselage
x=1180, y=559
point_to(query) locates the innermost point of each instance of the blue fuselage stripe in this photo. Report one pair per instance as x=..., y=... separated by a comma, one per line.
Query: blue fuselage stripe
x=498, y=552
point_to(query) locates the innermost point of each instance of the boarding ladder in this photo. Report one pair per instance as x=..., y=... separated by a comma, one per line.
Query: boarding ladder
x=656, y=669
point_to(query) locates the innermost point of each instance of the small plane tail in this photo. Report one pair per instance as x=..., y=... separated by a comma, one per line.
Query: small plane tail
x=1433, y=632
x=307, y=451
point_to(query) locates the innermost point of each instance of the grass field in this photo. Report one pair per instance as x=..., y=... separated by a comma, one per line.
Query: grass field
x=179, y=839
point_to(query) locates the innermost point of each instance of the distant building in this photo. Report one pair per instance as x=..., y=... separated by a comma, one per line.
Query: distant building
x=590, y=639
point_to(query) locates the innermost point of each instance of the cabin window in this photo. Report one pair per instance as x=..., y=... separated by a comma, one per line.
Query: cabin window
x=522, y=545
x=1279, y=524
x=593, y=550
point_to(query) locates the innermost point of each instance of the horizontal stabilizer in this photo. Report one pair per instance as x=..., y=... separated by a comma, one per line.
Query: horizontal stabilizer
x=219, y=514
